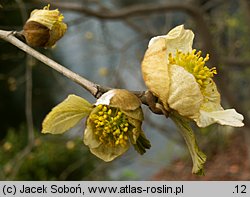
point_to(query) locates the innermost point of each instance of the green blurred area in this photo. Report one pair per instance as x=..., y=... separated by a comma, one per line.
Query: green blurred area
x=52, y=158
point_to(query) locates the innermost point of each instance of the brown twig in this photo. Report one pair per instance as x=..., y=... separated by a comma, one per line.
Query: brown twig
x=127, y=12
x=236, y=62
x=94, y=89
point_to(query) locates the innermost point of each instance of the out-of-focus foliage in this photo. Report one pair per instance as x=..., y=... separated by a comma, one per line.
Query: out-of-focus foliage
x=231, y=34
x=50, y=159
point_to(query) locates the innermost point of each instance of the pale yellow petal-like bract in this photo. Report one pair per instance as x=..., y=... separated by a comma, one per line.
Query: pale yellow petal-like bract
x=155, y=70
x=107, y=153
x=124, y=100
x=224, y=117
x=89, y=138
x=211, y=98
x=177, y=39
x=119, y=98
x=45, y=17
x=66, y=115
x=184, y=94
x=211, y=111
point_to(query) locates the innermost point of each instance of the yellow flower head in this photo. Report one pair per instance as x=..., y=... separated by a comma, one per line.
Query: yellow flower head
x=114, y=124
x=44, y=27
x=180, y=78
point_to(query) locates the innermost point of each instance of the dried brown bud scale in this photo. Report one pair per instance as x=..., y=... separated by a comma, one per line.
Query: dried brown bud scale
x=36, y=34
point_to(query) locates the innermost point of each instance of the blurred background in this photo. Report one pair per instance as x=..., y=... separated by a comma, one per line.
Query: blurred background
x=105, y=42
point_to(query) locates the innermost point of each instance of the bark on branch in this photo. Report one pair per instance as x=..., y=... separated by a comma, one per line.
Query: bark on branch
x=95, y=89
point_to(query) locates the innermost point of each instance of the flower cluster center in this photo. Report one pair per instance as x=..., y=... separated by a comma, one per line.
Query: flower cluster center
x=194, y=64
x=111, y=125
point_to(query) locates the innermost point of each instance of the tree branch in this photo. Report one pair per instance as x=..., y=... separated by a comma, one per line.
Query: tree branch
x=95, y=89
x=236, y=62
x=127, y=12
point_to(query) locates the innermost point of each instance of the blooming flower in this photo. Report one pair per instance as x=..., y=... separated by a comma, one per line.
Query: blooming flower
x=44, y=27
x=179, y=77
x=113, y=123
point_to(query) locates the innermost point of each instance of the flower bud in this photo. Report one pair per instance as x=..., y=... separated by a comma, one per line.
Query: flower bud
x=44, y=27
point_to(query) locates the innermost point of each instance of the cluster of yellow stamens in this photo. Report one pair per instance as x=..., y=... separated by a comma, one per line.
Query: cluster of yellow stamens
x=195, y=64
x=111, y=125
